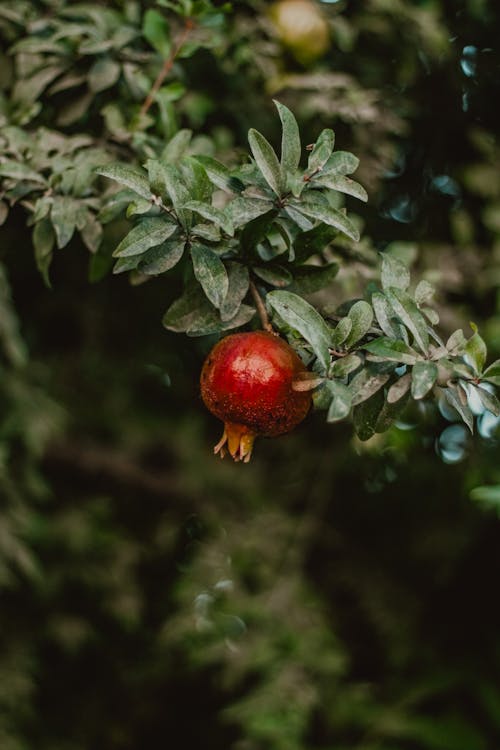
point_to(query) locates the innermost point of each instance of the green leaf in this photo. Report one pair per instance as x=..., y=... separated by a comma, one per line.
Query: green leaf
x=309, y=279
x=156, y=30
x=129, y=176
x=274, y=275
x=243, y=210
x=219, y=174
x=43, y=242
x=238, y=283
x=342, y=184
x=341, y=332
x=266, y=160
x=211, y=273
x=399, y=389
x=367, y=414
x=489, y=495
x=345, y=365
x=423, y=377
x=392, y=350
x=341, y=401
x=64, y=216
x=210, y=213
x=162, y=258
x=290, y=141
x=488, y=400
x=19, y=171
x=178, y=193
x=341, y=162
x=322, y=151
x=361, y=315
x=492, y=373
x=103, y=74
x=385, y=315
x=409, y=314
x=451, y=394
x=365, y=383
x=475, y=351
x=302, y=317
x=395, y=274
x=457, y=342
x=331, y=216
x=148, y=233
x=312, y=242
x=177, y=146
x=193, y=314
x=424, y=293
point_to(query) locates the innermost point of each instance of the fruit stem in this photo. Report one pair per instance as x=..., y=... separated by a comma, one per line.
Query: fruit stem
x=261, y=308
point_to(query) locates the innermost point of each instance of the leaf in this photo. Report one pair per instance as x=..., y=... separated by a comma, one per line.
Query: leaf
x=361, y=315
x=424, y=293
x=366, y=416
x=313, y=241
x=163, y=257
x=302, y=317
x=452, y=396
x=238, y=283
x=193, y=314
x=342, y=184
x=309, y=279
x=345, y=365
x=156, y=30
x=341, y=401
x=423, y=377
x=341, y=332
x=392, y=350
x=177, y=146
x=395, y=274
x=321, y=152
x=409, y=314
x=210, y=271
x=331, y=216
x=43, y=242
x=399, y=389
x=492, y=373
x=385, y=315
x=64, y=215
x=243, y=210
x=290, y=141
x=488, y=400
x=274, y=275
x=19, y=171
x=475, y=351
x=341, y=162
x=129, y=176
x=219, y=174
x=210, y=213
x=148, y=233
x=103, y=74
x=266, y=160
x=365, y=383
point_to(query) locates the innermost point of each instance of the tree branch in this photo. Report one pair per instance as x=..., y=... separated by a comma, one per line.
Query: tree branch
x=261, y=308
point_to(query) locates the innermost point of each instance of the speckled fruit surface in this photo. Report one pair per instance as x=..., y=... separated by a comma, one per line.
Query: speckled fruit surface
x=246, y=381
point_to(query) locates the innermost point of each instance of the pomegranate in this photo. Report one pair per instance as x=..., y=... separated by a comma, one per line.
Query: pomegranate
x=247, y=381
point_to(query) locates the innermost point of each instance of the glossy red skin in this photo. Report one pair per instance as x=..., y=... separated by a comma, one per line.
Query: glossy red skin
x=247, y=379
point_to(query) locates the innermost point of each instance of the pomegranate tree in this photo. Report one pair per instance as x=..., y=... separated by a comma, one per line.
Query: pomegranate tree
x=249, y=381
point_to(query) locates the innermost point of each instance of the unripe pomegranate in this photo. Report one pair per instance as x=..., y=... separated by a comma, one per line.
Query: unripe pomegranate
x=247, y=381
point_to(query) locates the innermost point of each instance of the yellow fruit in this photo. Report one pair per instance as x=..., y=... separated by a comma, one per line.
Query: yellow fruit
x=302, y=28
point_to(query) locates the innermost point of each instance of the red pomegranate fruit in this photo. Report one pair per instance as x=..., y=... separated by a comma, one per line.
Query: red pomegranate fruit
x=247, y=381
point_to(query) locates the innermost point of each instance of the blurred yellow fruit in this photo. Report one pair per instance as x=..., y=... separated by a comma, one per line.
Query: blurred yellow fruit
x=302, y=28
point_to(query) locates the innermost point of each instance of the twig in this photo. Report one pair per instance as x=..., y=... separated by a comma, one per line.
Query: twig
x=261, y=308
x=166, y=68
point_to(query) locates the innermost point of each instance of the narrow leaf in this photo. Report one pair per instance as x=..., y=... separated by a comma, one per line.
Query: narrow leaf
x=452, y=396
x=309, y=279
x=341, y=162
x=385, y=315
x=393, y=350
x=331, y=216
x=423, y=377
x=409, y=314
x=212, y=214
x=128, y=176
x=366, y=383
x=148, y=233
x=361, y=315
x=342, y=184
x=211, y=273
x=322, y=151
x=162, y=258
x=290, y=141
x=492, y=373
x=238, y=283
x=277, y=276
x=489, y=400
x=395, y=274
x=302, y=317
x=341, y=401
x=475, y=351
x=243, y=210
x=345, y=365
x=399, y=389
x=219, y=174
x=266, y=160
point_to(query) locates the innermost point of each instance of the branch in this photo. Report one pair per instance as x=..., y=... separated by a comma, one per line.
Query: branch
x=166, y=68
x=261, y=308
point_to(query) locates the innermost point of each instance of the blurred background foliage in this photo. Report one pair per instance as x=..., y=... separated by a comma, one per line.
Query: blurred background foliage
x=332, y=594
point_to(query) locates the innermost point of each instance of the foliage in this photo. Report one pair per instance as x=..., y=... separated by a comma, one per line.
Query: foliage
x=334, y=595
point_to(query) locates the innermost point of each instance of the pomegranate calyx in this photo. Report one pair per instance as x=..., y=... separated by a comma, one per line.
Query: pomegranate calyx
x=239, y=440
